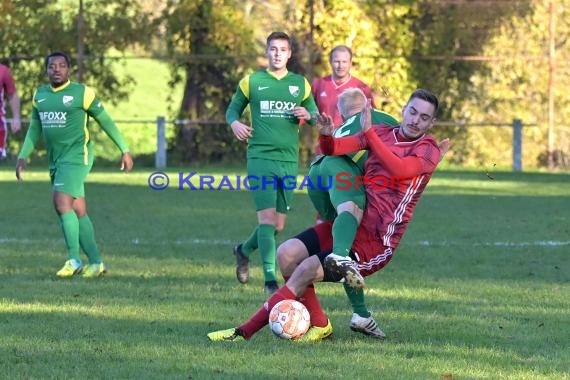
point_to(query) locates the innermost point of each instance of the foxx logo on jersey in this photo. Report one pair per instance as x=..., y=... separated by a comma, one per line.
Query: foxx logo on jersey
x=267, y=105
x=53, y=116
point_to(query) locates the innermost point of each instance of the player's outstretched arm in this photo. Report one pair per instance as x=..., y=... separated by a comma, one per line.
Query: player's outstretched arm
x=443, y=147
x=325, y=124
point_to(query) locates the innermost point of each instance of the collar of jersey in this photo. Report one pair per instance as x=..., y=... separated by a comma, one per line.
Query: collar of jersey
x=275, y=76
x=56, y=89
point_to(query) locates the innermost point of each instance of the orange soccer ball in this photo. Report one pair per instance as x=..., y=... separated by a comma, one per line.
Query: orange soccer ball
x=289, y=319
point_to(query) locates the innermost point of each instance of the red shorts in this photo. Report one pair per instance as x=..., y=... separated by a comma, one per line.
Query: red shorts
x=367, y=251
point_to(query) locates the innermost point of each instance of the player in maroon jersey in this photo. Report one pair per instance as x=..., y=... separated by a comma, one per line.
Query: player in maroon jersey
x=327, y=89
x=8, y=88
x=403, y=158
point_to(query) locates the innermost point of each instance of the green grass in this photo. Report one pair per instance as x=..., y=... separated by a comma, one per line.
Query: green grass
x=478, y=289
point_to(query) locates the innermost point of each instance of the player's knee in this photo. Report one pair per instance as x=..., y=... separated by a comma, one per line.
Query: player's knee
x=351, y=207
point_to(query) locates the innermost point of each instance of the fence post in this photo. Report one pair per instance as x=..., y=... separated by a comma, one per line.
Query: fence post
x=160, y=157
x=517, y=145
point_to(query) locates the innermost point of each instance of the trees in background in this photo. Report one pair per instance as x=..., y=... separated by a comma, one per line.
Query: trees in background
x=488, y=61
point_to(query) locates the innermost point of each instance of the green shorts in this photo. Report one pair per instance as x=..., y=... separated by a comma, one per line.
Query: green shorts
x=272, y=183
x=330, y=178
x=70, y=178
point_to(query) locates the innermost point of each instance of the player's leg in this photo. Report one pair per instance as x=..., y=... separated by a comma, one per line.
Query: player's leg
x=300, y=279
x=65, y=189
x=371, y=257
x=88, y=243
x=257, y=170
x=319, y=192
x=348, y=199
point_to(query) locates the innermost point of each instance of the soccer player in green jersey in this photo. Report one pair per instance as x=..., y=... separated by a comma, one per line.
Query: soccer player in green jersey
x=61, y=111
x=278, y=100
x=342, y=201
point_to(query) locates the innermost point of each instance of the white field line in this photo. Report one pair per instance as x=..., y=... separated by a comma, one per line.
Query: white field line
x=227, y=242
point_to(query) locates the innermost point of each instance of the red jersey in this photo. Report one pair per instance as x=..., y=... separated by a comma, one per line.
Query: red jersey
x=7, y=88
x=326, y=92
x=396, y=173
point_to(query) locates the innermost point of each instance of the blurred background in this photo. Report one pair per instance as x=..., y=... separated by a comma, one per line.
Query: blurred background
x=493, y=63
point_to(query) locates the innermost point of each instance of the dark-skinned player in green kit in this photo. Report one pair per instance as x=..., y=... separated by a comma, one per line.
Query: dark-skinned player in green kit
x=61, y=112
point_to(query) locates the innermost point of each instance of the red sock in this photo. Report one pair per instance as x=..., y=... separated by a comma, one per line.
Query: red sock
x=311, y=302
x=258, y=320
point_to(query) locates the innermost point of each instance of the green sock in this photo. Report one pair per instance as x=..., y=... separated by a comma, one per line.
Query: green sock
x=266, y=237
x=251, y=243
x=356, y=298
x=70, y=227
x=87, y=240
x=343, y=231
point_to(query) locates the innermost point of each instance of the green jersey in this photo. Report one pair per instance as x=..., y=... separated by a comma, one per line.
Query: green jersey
x=62, y=115
x=352, y=126
x=271, y=101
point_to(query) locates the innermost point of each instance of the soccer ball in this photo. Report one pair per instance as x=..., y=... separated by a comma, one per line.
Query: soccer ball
x=289, y=319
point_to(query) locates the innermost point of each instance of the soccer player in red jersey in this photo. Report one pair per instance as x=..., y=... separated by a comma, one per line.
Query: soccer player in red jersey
x=327, y=89
x=400, y=164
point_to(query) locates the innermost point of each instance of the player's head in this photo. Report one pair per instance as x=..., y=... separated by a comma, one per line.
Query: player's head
x=278, y=50
x=340, y=59
x=350, y=102
x=58, y=66
x=419, y=113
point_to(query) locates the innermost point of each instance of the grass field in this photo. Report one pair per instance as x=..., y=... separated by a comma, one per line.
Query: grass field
x=478, y=289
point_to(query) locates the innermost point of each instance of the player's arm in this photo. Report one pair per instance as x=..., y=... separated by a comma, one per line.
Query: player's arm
x=369, y=95
x=95, y=109
x=14, y=100
x=30, y=142
x=235, y=109
x=408, y=166
x=338, y=146
x=308, y=108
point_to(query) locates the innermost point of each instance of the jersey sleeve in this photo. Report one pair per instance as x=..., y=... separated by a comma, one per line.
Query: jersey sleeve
x=95, y=109
x=239, y=101
x=338, y=146
x=423, y=160
x=309, y=103
x=9, y=84
x=368, y=92
x=33, y=134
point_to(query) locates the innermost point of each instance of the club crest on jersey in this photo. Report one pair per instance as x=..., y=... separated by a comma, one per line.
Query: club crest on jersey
x=67, y=100
x=294, y=90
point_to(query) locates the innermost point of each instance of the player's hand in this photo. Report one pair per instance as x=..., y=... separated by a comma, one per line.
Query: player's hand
x=443, y=147
x=20, y=166
x=325, y=124
x=366, y=116
x=126, y=162
x=301, y=113
x=241, y=131
x=16, y=124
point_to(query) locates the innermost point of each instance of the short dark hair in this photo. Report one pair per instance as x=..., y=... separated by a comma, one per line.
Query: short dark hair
x=429, y=97
x=340, y=48
x=57, y=54
x=278, y=36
